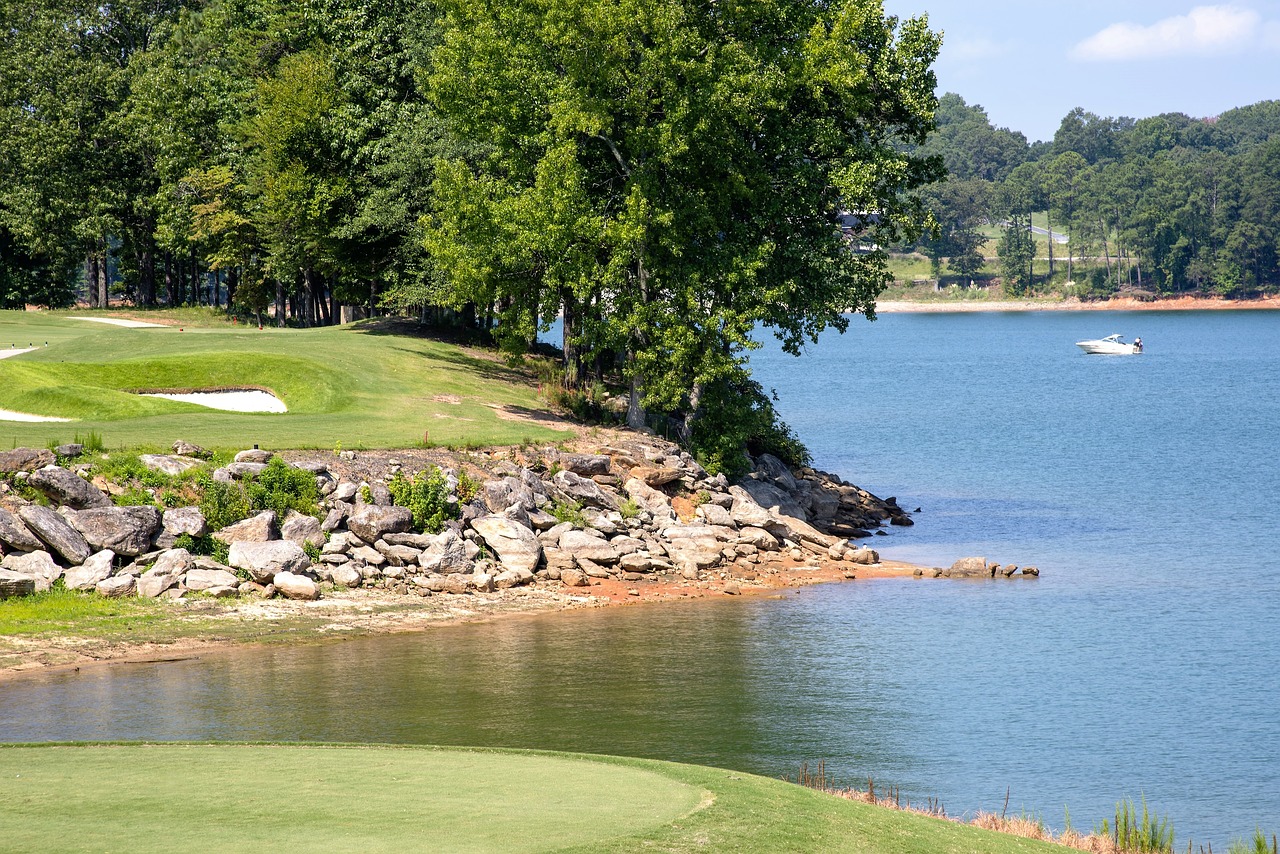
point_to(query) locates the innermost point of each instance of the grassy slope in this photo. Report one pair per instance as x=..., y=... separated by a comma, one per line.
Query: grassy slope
x=351, y=385
x=216, y=798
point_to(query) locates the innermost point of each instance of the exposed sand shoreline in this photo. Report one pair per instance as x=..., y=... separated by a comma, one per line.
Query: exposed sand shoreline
x=1122, y=304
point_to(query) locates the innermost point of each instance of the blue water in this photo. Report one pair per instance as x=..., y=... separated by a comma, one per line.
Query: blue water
x=1144, y=661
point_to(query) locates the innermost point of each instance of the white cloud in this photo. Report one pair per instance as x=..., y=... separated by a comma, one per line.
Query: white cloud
x=1204, y=31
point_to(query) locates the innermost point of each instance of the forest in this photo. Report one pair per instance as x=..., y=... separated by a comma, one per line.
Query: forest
x=1162, y=205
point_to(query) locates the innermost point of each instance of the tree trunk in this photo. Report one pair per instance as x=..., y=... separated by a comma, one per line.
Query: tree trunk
x=104, y=299
x=233, y=282
x=1048, y=221
x=279, y=303
x=572, y=356
x=170, y=285
x=91, y=279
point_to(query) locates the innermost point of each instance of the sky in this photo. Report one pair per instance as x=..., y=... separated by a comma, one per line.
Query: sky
x=1029, y=64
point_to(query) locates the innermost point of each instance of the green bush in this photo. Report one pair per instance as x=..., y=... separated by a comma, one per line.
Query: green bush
x=281, y=487
x=426, y=496
x=204, y=545
x=739, y=417
x=222, y=503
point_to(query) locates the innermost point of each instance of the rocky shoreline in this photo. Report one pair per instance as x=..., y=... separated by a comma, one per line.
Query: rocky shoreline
x=620, y=517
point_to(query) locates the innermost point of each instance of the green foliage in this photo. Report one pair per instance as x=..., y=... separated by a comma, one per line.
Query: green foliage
x=312, y=550
x=468, y=487
x=222, y=503
x=282, y=487
x=1258, y=845
x=127, y=468
x=1134, y=834
x=205, y=544
x=628, y=508
x=569, y=511
x=134, y=496
x=742, y=418
x=427, y=496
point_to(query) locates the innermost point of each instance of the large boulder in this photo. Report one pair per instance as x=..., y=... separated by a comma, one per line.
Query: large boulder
x=776, y=470
x=15, y=535
x=263, y=561
x=584, y=490
x=301, y=528
x=745, y=511
x=255, y=529
x=117, y=586
x=25, y=459
x=656, y=475
x=582, y=545
x=771, y=498
x=125, y=530
x=447, y=554
x=657, y=503
x=170, y=464
x=257, y=456
x=585, y=465
x=86, y=576
x=166, y=572
x=199, y=580
x=15, y=584
x=294, y=586
x=37, y=565
x=516, y=546
x=178, y=521
x=970, y=567
x=371, y=521
x=66, y=488
x=56, y=532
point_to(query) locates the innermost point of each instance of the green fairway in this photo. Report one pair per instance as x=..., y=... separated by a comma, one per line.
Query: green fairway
x=234, y=798
x=354, y=386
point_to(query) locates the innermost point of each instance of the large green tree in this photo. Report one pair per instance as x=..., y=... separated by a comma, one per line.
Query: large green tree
x=671, y=175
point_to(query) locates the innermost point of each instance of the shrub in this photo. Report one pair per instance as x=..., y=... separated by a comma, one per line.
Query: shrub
x=738, y=416
x=629, y=508
x=426, y=496
x=569, y=511
x=204, y=545
x=468, y=487
x=134, y=496
x=281, y=487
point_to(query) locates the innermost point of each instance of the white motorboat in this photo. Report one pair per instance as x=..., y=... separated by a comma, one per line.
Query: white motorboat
x=1112, y=345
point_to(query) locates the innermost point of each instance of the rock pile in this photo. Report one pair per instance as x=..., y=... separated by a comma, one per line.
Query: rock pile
x=638, y=510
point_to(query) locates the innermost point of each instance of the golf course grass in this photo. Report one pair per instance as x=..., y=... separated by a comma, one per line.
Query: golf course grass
x=357, y=386
x=344, y=798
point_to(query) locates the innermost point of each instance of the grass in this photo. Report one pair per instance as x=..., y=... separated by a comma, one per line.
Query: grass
x=362, y=386
x=59, y=609
x=338, y=798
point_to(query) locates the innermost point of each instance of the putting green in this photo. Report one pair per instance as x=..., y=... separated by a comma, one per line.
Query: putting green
x=356, y=386
x=236, y=798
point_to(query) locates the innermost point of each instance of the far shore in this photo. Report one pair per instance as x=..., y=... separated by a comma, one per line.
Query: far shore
x=363, y=613
x=1073, y=304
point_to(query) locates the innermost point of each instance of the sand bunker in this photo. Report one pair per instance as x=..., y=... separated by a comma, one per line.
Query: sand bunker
x=235, y=400
x=10, y=415
x=117, y=321
x=16, y=351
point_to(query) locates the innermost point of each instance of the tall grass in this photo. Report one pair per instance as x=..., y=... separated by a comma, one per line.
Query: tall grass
x=1146, y=835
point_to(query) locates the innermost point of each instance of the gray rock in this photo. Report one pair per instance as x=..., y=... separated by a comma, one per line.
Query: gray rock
x=346, y=576
x=715, y=515
x=586, y=465
x=26, y=459
x=87, y=575
x=254, y=455
x=397, y=555
x=574, y=578
x=201, y=580
x=239, y=471
x=583, y=490
x=117, y=586
x=264, y=560
x=636, y=562
x=56, y=532
x=170, y=464
x=746, y=511
x=582, y=545
x=776, y=470
x=67, y=488
x=178, y=521
x=187, y=449
x=771, y=498
x=512, y=578
x=293, y=586
x=70, y=450
x=970, y=567
x=483, y=582
x=447, y=554
x=14, y=534
x=655, y=476
x=125, y=530
x=368, y=555
x=13, y=583
x=302, y=528
x=345, y=491
x=37, y=565
x=758, y=537
x=255, y=529
x=516, y=546
x=165, y=572
x=336, y=518
x=418, y=541
x=373, y=521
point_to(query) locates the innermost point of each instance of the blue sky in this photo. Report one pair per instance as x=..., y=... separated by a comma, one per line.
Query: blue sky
x=1030, y=63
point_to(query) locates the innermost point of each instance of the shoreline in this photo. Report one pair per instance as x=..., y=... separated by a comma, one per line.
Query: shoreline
x=1073, y=304
x=362, y=613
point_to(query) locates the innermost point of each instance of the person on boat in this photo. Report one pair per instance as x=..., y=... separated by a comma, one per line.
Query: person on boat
x=1137, y=345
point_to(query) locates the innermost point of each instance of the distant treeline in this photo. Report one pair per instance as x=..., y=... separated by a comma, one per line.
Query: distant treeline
x=1166, y=204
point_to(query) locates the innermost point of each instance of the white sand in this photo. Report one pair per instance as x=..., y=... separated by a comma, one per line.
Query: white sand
x=232, y=401
x=16, y=351
x=10, y=415
x=116, y=321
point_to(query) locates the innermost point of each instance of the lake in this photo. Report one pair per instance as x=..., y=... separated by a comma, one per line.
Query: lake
x=1143, y=662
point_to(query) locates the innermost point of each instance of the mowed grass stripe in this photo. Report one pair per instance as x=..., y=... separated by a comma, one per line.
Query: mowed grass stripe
x=232, y=798
x=358, y=386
